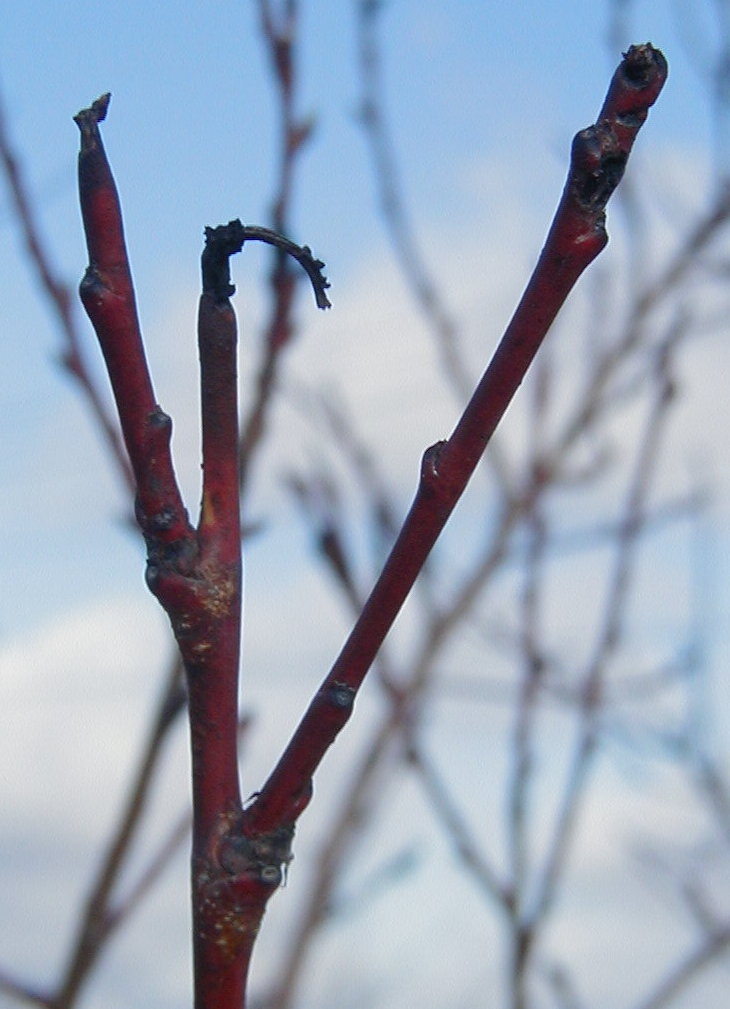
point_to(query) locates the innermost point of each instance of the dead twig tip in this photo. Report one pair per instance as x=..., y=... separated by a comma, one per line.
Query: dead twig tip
x=218, y=240
x=88, y=120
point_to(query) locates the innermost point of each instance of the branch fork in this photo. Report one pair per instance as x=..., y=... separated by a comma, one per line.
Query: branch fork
x=240, y=854
x=194, y=572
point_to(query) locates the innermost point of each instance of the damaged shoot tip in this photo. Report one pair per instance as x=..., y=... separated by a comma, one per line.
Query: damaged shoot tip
x=227, y=239
x=643, y=62
x=220, y=244
x=88, y=120
x=600, y=152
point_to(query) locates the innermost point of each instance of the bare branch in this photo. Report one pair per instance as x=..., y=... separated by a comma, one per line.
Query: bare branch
x=62, y=305
x=576, y=237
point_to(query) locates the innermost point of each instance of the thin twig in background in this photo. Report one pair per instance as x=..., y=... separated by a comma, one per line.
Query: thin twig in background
x=532, y=651
x=397, y=219
x=468, y=849
x=680, y=975
x=563, y=988
x=280, y=34
x=420, y=280
x=24, y=993
x=99, y=919
x=609, y=634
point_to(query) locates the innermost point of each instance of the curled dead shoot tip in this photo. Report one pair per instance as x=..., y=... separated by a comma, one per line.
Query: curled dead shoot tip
x=88, y=120
x=220, y=244
x=227, y=239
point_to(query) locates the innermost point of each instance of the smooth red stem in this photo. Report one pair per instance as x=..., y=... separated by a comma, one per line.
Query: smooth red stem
x=107, y=293
x=576, y=237
x=213, y=686
x=219, y=526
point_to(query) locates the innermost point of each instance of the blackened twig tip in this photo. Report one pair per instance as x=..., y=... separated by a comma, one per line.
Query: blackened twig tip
x=228, y=239
x=642, y=63
x=88, y=120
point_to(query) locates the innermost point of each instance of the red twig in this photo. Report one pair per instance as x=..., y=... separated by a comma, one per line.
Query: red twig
x=576, y=237
x=108, y=297
x=59, y=296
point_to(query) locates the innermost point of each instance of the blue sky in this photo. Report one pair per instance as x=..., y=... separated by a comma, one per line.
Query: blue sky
x=484, y=99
